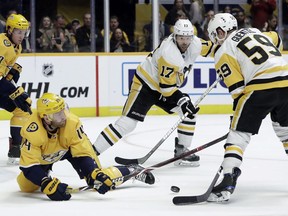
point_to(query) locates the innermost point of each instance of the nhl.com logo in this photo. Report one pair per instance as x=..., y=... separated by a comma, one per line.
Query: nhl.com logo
x=47, y=70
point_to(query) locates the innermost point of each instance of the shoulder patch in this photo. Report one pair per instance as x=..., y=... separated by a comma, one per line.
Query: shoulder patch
x=7, y=43
x=32, y=127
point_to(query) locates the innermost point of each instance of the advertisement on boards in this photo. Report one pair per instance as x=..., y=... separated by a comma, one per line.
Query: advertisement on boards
x=71, y=77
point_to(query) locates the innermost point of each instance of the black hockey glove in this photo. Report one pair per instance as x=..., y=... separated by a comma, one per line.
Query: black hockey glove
x=187, y=106
x=100, y=181
x=21, y=99
x=54, y=189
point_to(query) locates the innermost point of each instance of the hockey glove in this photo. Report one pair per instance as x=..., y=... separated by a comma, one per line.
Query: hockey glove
x=14, y=73
x=187, y=106
x=100, y=181
x=54, y=189
x=21, y=99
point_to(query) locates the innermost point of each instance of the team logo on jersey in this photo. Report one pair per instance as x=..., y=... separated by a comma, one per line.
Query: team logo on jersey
x=32, y=127
x=47, y=70
x=7, y=43
x=56, y=156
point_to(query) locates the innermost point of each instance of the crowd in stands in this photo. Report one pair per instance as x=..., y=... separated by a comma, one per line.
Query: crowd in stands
x=55, y=35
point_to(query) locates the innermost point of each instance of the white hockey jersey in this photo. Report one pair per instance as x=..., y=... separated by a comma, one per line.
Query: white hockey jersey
x=165, y=68
x=249, y=60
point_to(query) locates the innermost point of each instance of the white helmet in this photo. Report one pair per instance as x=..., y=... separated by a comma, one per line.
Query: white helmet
x=225, y=21
x=183, y=27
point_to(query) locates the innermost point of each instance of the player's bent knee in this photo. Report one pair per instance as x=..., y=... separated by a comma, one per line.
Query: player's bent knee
x=239, y=138
x=19, y=117
x=125, y=125
x=26, y=185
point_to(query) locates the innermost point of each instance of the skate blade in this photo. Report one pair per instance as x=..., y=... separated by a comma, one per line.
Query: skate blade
x=221, y=197
x=13, y=161
x=182, y=163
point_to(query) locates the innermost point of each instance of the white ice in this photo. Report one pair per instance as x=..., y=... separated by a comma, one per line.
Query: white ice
x=262, y=188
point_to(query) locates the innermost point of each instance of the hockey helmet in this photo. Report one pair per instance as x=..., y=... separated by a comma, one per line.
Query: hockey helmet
x=17, y=21
x=224, y=21
x=50, y=103
x=183, y=27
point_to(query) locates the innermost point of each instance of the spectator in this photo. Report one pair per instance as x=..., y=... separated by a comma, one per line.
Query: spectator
x=171, y=17
x=179, y=15
x=61, y=35
x=26, y=47
x=241, y=20
x=75, y=25
x=164, y=31
x=83, y=36
x=261, y=10
x=44, y=35
x=182, y=15
x=58, y=38
x=73, y=41
x=12, y=11
x=271, y=24
x=209, y=15
x=227, y=9
x=197, y=12
x=118, y=42
x=234, y=11
x=114, y=24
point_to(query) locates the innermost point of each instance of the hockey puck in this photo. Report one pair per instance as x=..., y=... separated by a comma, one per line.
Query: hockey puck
x=175, y=189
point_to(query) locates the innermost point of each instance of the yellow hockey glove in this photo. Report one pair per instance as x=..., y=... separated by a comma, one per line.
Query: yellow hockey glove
x=100, y=181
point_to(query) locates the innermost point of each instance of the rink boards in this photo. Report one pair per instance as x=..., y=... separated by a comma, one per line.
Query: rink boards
x=98, y=84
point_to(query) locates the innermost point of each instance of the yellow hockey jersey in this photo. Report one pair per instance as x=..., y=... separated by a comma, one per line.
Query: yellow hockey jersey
x=8, y=54
x=249, y=60
x=166, y=68
x=41, y=148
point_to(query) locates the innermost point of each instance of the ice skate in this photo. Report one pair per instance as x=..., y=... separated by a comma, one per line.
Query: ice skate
x=190, y=161
x=13, y=154
x=146, y=176
x=222, y=192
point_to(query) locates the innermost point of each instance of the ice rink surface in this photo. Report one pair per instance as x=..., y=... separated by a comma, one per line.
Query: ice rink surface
x=262, y=188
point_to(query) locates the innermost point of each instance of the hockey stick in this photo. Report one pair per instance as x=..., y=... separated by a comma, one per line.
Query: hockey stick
x=77, y=190
x=158, y=165
x=141, y=160
x=88, y=187
x=186, y=200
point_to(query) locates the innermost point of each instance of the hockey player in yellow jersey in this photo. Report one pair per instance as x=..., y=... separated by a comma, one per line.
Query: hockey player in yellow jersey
x=157, y=82
x=52, y=134
x=256, y=74
x=13, y=98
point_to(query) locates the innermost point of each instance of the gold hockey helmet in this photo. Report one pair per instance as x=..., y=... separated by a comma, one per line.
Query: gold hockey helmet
x=17, y=21
x=50, y=103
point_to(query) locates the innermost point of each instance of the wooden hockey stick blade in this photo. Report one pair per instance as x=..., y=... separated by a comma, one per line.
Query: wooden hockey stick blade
x=186, y=200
